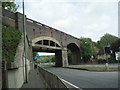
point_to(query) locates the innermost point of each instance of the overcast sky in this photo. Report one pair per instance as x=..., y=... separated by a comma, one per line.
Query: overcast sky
x=80, y=18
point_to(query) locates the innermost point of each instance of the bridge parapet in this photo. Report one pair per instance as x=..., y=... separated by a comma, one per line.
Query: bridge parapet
x=36, y=29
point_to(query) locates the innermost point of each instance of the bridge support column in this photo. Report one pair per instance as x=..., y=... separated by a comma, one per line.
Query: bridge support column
x=64, y=57
x=76, y=57
x=58, y=57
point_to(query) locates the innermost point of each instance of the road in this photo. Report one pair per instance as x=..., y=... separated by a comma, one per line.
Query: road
x=86, y=79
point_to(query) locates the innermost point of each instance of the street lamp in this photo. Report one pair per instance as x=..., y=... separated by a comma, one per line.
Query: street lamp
x=24, y=31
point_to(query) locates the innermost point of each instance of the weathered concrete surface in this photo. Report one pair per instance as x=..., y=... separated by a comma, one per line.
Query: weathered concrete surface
x=0, y=74
x=0, y=48
x=35, y=80
x=53, y=81
x=16, y=73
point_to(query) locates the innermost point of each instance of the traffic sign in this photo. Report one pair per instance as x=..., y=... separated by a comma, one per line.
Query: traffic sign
x=36, y=57
x=117, y=54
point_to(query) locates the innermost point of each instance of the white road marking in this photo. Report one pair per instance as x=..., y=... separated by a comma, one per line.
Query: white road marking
x=70, y=83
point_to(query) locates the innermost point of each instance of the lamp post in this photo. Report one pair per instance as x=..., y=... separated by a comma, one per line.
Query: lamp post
x=24, y=31
x=107, y=52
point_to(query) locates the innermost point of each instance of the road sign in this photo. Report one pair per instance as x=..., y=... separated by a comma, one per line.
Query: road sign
x=117, y=54
x=36, y=57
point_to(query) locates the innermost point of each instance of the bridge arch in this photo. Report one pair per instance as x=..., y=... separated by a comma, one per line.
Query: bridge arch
x=43, y=38
x=75, y=50
x=48, y=44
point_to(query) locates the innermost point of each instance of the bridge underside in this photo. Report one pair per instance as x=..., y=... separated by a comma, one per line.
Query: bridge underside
x=61, y=57
x=58, y=54
x=75, y=53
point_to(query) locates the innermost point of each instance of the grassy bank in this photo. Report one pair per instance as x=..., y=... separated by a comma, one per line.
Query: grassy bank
x=91, y=68
x=10, y=41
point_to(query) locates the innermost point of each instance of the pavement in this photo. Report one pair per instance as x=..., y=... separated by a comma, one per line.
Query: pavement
x=35, y=81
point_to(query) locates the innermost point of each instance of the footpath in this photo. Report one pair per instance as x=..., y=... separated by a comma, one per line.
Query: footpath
x=35, y=81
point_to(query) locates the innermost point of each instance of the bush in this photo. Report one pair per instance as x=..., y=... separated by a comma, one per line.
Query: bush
x=10, y=41
x=112, y=59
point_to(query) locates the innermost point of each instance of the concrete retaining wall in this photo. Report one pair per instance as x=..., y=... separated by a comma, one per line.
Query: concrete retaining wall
x=16, y=73
x=0, y=74
x=16, y=77
x=54, y=81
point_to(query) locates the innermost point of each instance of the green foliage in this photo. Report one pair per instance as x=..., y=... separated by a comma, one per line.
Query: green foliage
x=35, y=54
x=115, y=45
x=111, y=40
x=46, y=59
x=10, y=41
x=112, y=59
x=87, y=48
x=105, y=40
x=52, y=58
x=115, y=48
x=11, y=6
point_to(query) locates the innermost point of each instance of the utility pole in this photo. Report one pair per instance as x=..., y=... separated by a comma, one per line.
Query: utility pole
x=24, y=31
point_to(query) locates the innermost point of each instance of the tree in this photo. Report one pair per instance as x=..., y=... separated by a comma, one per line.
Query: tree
x=52, y=58
x=87, y=48
x=105, y=40
x=111, y=40
x=11, y=6
x=115, y=48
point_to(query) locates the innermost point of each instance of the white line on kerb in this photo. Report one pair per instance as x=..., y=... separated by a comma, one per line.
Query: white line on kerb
x=70, y=83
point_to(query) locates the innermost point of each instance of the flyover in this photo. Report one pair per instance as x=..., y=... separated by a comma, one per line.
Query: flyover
x=43, y=38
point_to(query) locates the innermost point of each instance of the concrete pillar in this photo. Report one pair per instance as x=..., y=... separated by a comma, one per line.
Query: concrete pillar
x=31, y=56
x=58, y=58
x=64, y=57
x=76, y=57
x=19, y=21
x=61, y=57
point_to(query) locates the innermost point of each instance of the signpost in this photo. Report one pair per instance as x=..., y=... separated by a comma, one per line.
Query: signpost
x=117, y=54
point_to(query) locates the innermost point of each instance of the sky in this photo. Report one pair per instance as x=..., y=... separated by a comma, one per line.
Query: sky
x=79, y=18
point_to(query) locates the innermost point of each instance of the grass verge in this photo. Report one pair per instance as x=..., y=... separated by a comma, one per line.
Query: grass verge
x=91, y=68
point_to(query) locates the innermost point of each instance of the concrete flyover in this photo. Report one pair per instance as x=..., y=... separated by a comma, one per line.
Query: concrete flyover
x=43, y=38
